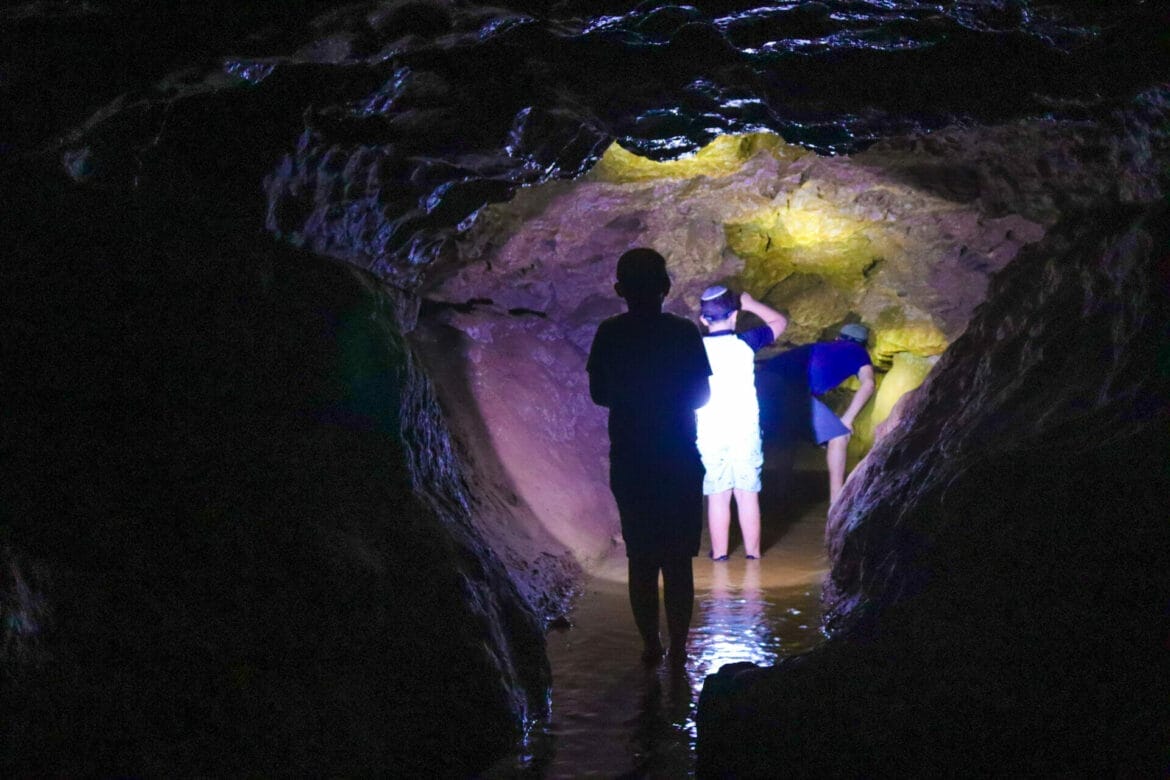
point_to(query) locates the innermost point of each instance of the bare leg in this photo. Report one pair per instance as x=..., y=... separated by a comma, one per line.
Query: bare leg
x=678, y=580
x=747, y=506
x=719, y=521
x=835, y=453
x=643, y=583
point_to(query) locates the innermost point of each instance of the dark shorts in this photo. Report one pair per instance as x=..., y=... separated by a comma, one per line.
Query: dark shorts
x=825, y=424
x=661, y=507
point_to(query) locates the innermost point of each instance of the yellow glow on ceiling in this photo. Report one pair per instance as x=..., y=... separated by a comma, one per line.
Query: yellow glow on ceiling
x=815, y=253
x=790, y=228
x=780, y=241
x=722, y=157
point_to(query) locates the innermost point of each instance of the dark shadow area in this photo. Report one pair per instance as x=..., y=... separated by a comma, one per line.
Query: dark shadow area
x=216, y=560
x=795, y=476
x=790, y=491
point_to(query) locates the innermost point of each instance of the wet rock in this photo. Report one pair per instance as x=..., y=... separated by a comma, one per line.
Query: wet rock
x=376, y=133
x=237, y=537
x=1041, y=170
x=526, y=431
x=999, y=583
x=411, y=18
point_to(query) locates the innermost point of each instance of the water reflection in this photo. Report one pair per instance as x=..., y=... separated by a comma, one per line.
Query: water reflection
x=613, y=717
x=663, y=729
x=731, y=624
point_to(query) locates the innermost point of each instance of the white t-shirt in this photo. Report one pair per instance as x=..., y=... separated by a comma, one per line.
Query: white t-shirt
x=732, y=417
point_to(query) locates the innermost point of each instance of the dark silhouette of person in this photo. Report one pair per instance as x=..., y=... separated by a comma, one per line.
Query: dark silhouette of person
x=650, y=369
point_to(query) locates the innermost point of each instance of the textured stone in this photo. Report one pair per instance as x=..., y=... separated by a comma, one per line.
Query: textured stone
x=237, y=537
x=825, y=240
x=374, y=133
x=999, y=581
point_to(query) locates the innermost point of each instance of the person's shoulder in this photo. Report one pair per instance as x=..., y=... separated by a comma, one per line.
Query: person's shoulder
x=857, y=352
x=608, y=331
x=679, y=326
x=613, y=325
x=677, y=321
x=757, y=338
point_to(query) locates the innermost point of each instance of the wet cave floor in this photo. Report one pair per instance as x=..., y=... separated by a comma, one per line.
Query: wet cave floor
x=612, y=716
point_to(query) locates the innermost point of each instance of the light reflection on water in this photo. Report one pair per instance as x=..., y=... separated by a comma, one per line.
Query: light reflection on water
x=612, y=717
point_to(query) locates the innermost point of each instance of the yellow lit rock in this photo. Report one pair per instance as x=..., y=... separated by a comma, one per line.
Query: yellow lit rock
x=812, y=239
x=722, y=157
x=811, y=304
x=895, y=334
x=907, y=371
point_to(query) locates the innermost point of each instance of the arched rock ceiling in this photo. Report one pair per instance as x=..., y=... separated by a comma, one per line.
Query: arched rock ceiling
x=824, y=239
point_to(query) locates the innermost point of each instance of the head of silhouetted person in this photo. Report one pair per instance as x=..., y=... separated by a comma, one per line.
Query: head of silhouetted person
x=641, y=277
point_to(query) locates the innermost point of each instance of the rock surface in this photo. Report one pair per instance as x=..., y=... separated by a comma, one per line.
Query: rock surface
x=883, y=237
x=999, y=560
x=228, y=547
x=235, y=536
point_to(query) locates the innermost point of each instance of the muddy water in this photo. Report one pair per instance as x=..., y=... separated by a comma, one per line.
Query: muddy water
x=613, y=717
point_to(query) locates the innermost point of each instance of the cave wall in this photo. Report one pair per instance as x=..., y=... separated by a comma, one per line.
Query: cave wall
x=999, y=582
x=904, y=236
x=235, y=536
x=525, y=436
x=378, y=142
x=374, y=134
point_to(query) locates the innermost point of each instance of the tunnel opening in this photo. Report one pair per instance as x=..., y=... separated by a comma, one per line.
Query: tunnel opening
x=824, y=240
x=871, y=238
x=301, y=467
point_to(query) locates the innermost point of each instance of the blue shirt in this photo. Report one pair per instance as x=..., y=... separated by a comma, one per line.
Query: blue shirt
x=822, y=366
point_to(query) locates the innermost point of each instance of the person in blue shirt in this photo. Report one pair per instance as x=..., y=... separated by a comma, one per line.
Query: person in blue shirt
x=649, y=369
x=729, y=425
x=813, y=370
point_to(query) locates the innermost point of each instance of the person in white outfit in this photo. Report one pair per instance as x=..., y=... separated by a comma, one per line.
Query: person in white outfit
x=729, y=425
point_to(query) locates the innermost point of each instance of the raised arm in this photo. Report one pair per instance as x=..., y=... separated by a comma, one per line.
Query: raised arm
x=772, y=318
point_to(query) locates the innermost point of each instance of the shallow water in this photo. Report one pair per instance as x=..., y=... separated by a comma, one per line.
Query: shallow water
x=613, y=717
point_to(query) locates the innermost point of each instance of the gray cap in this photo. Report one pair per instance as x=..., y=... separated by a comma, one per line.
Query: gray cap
x=855, y=331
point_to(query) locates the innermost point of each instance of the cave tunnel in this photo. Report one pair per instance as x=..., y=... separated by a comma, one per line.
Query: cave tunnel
x=301, y=471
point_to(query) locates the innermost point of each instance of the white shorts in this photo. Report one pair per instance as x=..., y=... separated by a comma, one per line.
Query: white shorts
x=730, y=467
